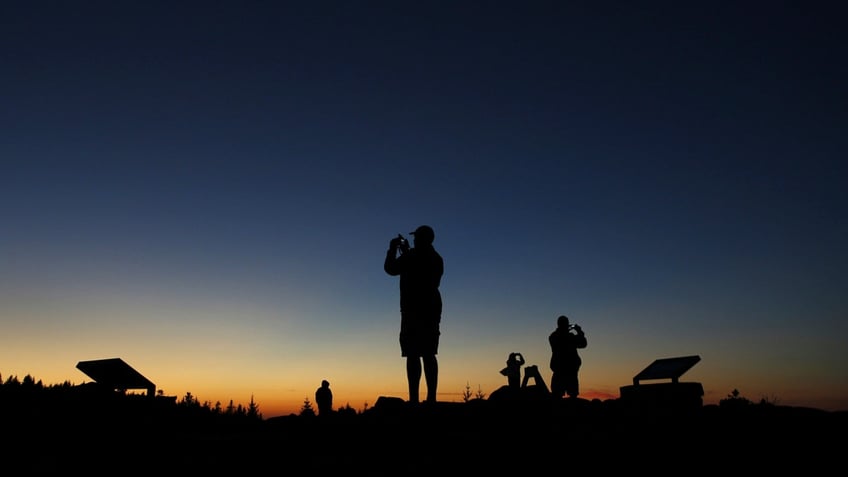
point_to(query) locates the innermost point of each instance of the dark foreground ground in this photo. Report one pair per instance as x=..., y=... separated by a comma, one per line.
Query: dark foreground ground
x=393, y=438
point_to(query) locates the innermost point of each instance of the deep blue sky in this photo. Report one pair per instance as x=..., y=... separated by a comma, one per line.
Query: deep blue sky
x=214, y=184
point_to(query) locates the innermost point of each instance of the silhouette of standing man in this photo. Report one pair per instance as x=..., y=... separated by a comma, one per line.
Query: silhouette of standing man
x=565, y=361
x=420, y=269
x=324, y=399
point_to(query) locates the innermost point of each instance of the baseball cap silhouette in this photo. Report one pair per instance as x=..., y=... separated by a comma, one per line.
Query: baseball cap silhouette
x=424, y=233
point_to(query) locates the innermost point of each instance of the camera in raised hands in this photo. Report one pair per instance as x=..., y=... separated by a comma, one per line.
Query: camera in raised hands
x=399, y=242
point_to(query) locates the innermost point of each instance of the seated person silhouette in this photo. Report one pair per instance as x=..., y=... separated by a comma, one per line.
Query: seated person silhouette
x=324, y=399
x=512, y=371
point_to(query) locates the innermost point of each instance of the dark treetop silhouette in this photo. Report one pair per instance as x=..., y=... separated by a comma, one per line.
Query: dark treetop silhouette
x=420, y=269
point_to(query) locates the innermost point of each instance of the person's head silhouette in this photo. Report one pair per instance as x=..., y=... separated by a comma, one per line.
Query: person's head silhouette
x=423, y=235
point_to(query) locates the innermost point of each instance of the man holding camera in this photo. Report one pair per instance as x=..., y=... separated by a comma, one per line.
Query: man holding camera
x=565, y=361
x=420, y=269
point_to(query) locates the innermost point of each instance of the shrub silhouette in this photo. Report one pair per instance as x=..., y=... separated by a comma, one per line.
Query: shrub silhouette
x=307, y=409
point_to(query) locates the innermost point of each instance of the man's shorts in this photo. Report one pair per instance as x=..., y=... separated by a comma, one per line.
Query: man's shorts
x=419, y=335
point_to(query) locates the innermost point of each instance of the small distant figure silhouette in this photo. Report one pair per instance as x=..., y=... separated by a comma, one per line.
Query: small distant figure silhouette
x=420, y=269
x=512, y=371
x=565, y=360
x=324, y=399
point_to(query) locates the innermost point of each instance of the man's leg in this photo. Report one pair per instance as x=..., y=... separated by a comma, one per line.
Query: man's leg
x=413, y=376
x=431, y=375
x=557, y=385
x=571, y=386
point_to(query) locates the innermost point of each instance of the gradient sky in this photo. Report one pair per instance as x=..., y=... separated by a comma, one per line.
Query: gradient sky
x=207, y=190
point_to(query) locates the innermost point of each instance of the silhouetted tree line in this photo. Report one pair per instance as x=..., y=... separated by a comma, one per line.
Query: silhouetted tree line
x=308, y=410
x=29, y=402
x=29, y=407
